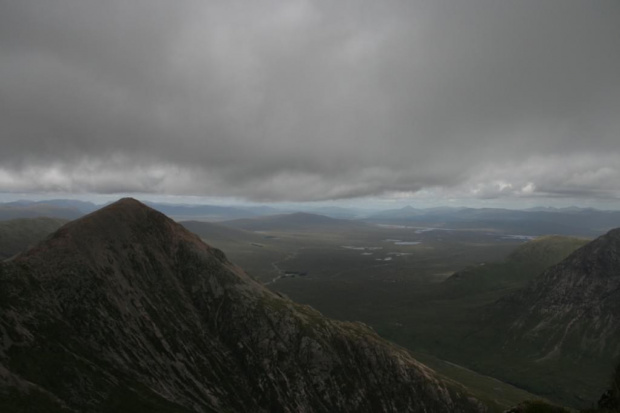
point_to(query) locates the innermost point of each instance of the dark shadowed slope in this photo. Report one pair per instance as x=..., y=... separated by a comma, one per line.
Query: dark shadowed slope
x=561, y=334
x=125, y=310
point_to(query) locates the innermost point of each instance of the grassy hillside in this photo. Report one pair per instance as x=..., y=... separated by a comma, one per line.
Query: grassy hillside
x=17, y=235
x=558, y=336
x=527, y=261
x=438, y=317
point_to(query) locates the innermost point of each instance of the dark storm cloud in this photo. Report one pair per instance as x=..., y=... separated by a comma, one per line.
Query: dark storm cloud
x=303, y=100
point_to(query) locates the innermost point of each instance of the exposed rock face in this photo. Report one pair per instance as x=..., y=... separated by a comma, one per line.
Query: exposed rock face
x=574, y=306
x=563, y=329
x=125, y=310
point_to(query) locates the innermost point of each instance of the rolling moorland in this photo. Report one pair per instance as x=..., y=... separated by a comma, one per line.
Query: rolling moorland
x=413, y=299
x=430, y=290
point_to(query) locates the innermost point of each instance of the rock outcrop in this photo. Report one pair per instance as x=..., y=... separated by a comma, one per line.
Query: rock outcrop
x=574, y=306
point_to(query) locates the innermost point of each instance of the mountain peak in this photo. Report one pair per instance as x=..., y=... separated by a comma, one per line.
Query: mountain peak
x=122, y=212
x=125, y=207
x=118, y=228
x=129, y=202
x=124, y=308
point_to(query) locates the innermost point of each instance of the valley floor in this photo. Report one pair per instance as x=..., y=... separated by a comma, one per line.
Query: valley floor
x=393, y=279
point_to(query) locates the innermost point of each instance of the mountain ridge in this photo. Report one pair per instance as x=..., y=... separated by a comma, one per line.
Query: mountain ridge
x=566, y=320
x=125, y=309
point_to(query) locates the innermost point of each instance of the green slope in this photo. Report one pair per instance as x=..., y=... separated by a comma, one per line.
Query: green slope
x=527, y=261
x=16, y=235
x=559, y=335
x=440, y=316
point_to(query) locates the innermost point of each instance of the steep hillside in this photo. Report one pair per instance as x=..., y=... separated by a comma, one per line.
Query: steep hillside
x=442, y=319
x=561, y=334
x=125, y=310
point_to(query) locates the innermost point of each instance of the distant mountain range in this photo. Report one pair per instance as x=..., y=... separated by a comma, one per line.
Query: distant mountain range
x=298, y=221
x=534, y=221
x=49, y=209
x=16, y=235
x=211, y=212
x=538, y=221
x=71, y=209
x=81, y=206
x=125, y=310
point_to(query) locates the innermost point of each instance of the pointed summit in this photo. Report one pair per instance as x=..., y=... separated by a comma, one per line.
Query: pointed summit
x=117, y=229
x=128, y=202
x=125, y=310
x=122, y=213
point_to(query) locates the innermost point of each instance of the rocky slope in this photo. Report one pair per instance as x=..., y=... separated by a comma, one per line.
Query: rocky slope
x=561, y=334
x=125, y=310
x=582, y=295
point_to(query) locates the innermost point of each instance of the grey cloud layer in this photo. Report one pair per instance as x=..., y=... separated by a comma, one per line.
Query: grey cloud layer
x=302, y=100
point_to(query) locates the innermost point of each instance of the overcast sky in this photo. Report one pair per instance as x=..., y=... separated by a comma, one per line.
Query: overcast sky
x=291, y=100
